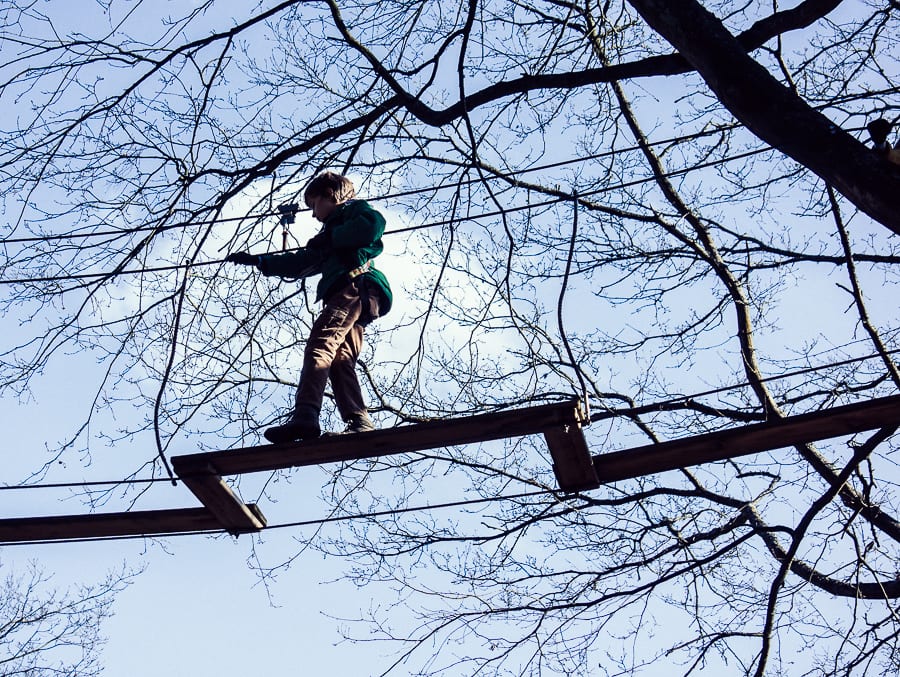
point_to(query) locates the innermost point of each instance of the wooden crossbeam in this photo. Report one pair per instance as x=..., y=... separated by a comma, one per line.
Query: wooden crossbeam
x=222, y=508
x=748, y=439
x=100, y=525
x=560, y=423
x=572, y=462
x=231, y=513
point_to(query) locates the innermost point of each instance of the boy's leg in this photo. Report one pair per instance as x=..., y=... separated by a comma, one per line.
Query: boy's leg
x=329, y=333
x=326, y=337
x=347, y=393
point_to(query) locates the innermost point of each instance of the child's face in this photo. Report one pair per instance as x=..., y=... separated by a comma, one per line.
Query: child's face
x=322, y=206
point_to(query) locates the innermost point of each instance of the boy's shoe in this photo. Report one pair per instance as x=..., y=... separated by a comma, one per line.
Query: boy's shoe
x=303, y=425
x=359, y=424
x=356, y=424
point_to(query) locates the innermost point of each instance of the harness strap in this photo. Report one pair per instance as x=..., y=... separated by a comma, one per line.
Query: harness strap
x=356, y=272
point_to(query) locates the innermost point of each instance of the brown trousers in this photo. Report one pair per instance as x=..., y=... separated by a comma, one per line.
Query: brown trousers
x=333, y=347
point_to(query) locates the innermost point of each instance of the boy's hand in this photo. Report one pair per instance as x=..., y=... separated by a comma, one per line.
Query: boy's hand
x=243, y=259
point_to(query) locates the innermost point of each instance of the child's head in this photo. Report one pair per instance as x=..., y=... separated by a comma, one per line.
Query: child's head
x=329, y=185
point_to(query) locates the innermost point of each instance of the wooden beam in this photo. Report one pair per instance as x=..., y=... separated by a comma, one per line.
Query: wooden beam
x=403, y=439
x=572, y=462
x=233, y=514
x=749, y=439
x=99, y=525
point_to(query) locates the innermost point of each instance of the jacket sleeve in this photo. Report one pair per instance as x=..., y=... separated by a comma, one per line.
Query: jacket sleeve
x=295, y=264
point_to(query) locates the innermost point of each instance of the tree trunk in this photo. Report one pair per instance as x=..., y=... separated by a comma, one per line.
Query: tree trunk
x=775, y=113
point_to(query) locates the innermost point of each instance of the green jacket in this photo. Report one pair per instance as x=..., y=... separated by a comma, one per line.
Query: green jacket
x=350, y=237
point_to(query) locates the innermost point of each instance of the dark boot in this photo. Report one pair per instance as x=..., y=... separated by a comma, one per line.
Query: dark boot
x=303, y=425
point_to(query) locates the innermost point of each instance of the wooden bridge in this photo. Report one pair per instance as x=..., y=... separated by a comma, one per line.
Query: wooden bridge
x=560, y=424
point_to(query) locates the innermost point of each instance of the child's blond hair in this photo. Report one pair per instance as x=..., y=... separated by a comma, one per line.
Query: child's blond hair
x=330, y=183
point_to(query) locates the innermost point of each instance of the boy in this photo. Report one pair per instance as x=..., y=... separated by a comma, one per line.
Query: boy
x=354, y=294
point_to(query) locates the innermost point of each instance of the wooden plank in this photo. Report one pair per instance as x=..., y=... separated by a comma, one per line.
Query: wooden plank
x=750, y=439
x=99, y=525
x=403, y=439
x=232, y=514
x=572, y=462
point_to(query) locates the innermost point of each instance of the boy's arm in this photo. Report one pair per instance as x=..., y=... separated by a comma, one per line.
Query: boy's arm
x=301, y=263
x=296, y=264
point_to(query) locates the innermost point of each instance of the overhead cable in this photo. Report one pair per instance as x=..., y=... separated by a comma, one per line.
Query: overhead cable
x=395, y=231
x=304, y=523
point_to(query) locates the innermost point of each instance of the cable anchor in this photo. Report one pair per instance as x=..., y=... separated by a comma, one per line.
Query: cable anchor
x=288, y=213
